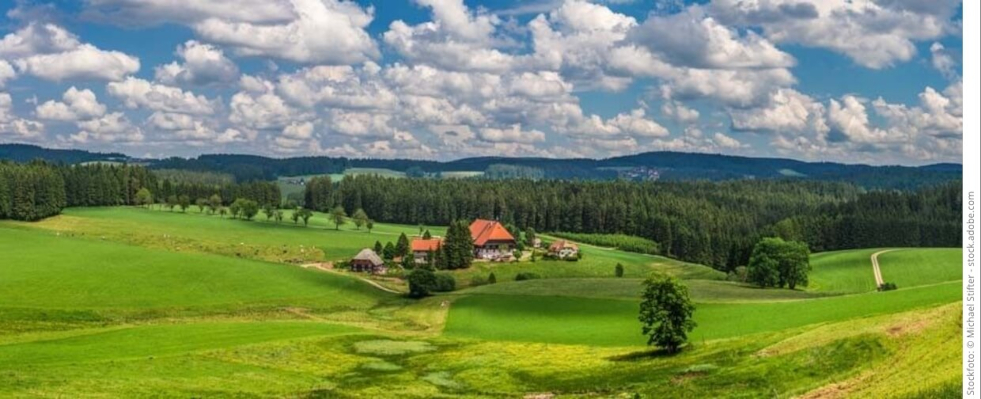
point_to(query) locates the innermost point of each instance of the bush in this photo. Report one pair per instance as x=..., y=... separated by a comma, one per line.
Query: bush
x=740, y=274
x=619, y=270
x=421, y=282
x=492, y=279
x=477, y=281
x=444, y=283
x=887, y=287
x=526, y=276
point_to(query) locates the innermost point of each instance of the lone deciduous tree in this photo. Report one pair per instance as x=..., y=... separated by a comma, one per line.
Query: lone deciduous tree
x=201, y=204
x=143, y=197
x=666, y=313
x=338, y=217
x=778, y=263
x=360, y=218
x=214, y=202
x=306, y=214
x=184, y=202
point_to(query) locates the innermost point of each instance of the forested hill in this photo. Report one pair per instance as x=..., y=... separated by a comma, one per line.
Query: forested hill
x=26, y=153
x=645, y=166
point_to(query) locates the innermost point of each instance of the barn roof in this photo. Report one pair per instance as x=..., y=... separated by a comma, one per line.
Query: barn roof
x=423, y=245
x=369, y=255
x=483, y=231
x=558, y=245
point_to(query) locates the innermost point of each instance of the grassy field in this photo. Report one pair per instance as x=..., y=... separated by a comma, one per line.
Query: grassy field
x=591, y=321
x=850, y=271
x=128, y=302
x=202, y=233
x=92, y=346
x=45, y=270
x=596, y=263
x=461, y=175
x=913, y=267
x=845, y=272
x=630, y=288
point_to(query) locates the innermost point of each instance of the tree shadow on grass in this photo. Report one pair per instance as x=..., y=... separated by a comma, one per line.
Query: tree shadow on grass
x=646, y=355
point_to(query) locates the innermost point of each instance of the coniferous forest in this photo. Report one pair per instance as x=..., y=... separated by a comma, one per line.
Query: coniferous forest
x=714, y=223
x=37, y=190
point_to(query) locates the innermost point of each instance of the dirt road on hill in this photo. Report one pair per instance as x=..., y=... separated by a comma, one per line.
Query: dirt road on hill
x=875, y=267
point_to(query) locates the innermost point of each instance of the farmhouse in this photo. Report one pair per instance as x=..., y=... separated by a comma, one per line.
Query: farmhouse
x=421, y=248
x=563, y=249
x=368, y=261
x=491, y=240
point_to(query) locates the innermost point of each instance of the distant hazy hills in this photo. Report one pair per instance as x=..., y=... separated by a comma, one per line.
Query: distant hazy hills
x=645, y=166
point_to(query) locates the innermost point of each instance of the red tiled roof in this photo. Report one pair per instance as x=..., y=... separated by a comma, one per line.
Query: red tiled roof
x=483, y=231
x=422, y=245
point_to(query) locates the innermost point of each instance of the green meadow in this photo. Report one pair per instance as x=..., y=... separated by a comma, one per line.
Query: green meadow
x=195, y=231
x=912, y=267
x=131, y=302
x=591, y=321
x=46, y=270
x=850, y=271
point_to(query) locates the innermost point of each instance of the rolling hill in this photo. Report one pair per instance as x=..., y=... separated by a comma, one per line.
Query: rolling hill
x=664, y=165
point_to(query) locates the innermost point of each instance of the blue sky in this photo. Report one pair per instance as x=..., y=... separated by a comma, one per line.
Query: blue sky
x=856, y=81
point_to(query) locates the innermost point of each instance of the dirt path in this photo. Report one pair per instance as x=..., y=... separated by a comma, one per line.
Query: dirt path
x=875, y=267
x=376, y=285
x=329, y=268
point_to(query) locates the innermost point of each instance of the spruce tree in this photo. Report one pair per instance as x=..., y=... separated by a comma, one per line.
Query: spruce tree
x=402, y=246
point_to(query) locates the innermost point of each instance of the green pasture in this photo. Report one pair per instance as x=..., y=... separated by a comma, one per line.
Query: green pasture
x=461, y=174
x=592, y=321
x=336, y=363
x=199, y=232
x=920, y=266
x=631, y=288
x=42, y=269
x=121, y=343
x=843, y=272
x=850, y=271
x=596, y=262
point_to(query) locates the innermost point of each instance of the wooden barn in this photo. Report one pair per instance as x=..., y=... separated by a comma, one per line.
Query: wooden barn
x=368, y=261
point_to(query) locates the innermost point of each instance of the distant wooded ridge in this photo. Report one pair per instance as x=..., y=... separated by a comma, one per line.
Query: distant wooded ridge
x=664, y=165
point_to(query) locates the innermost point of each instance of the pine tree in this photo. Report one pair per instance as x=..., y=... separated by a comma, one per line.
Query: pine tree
x=402, y=246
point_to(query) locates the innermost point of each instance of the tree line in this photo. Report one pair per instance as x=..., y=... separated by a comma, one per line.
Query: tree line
x=30, y=192
x=36, y=190
x=713, y=223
